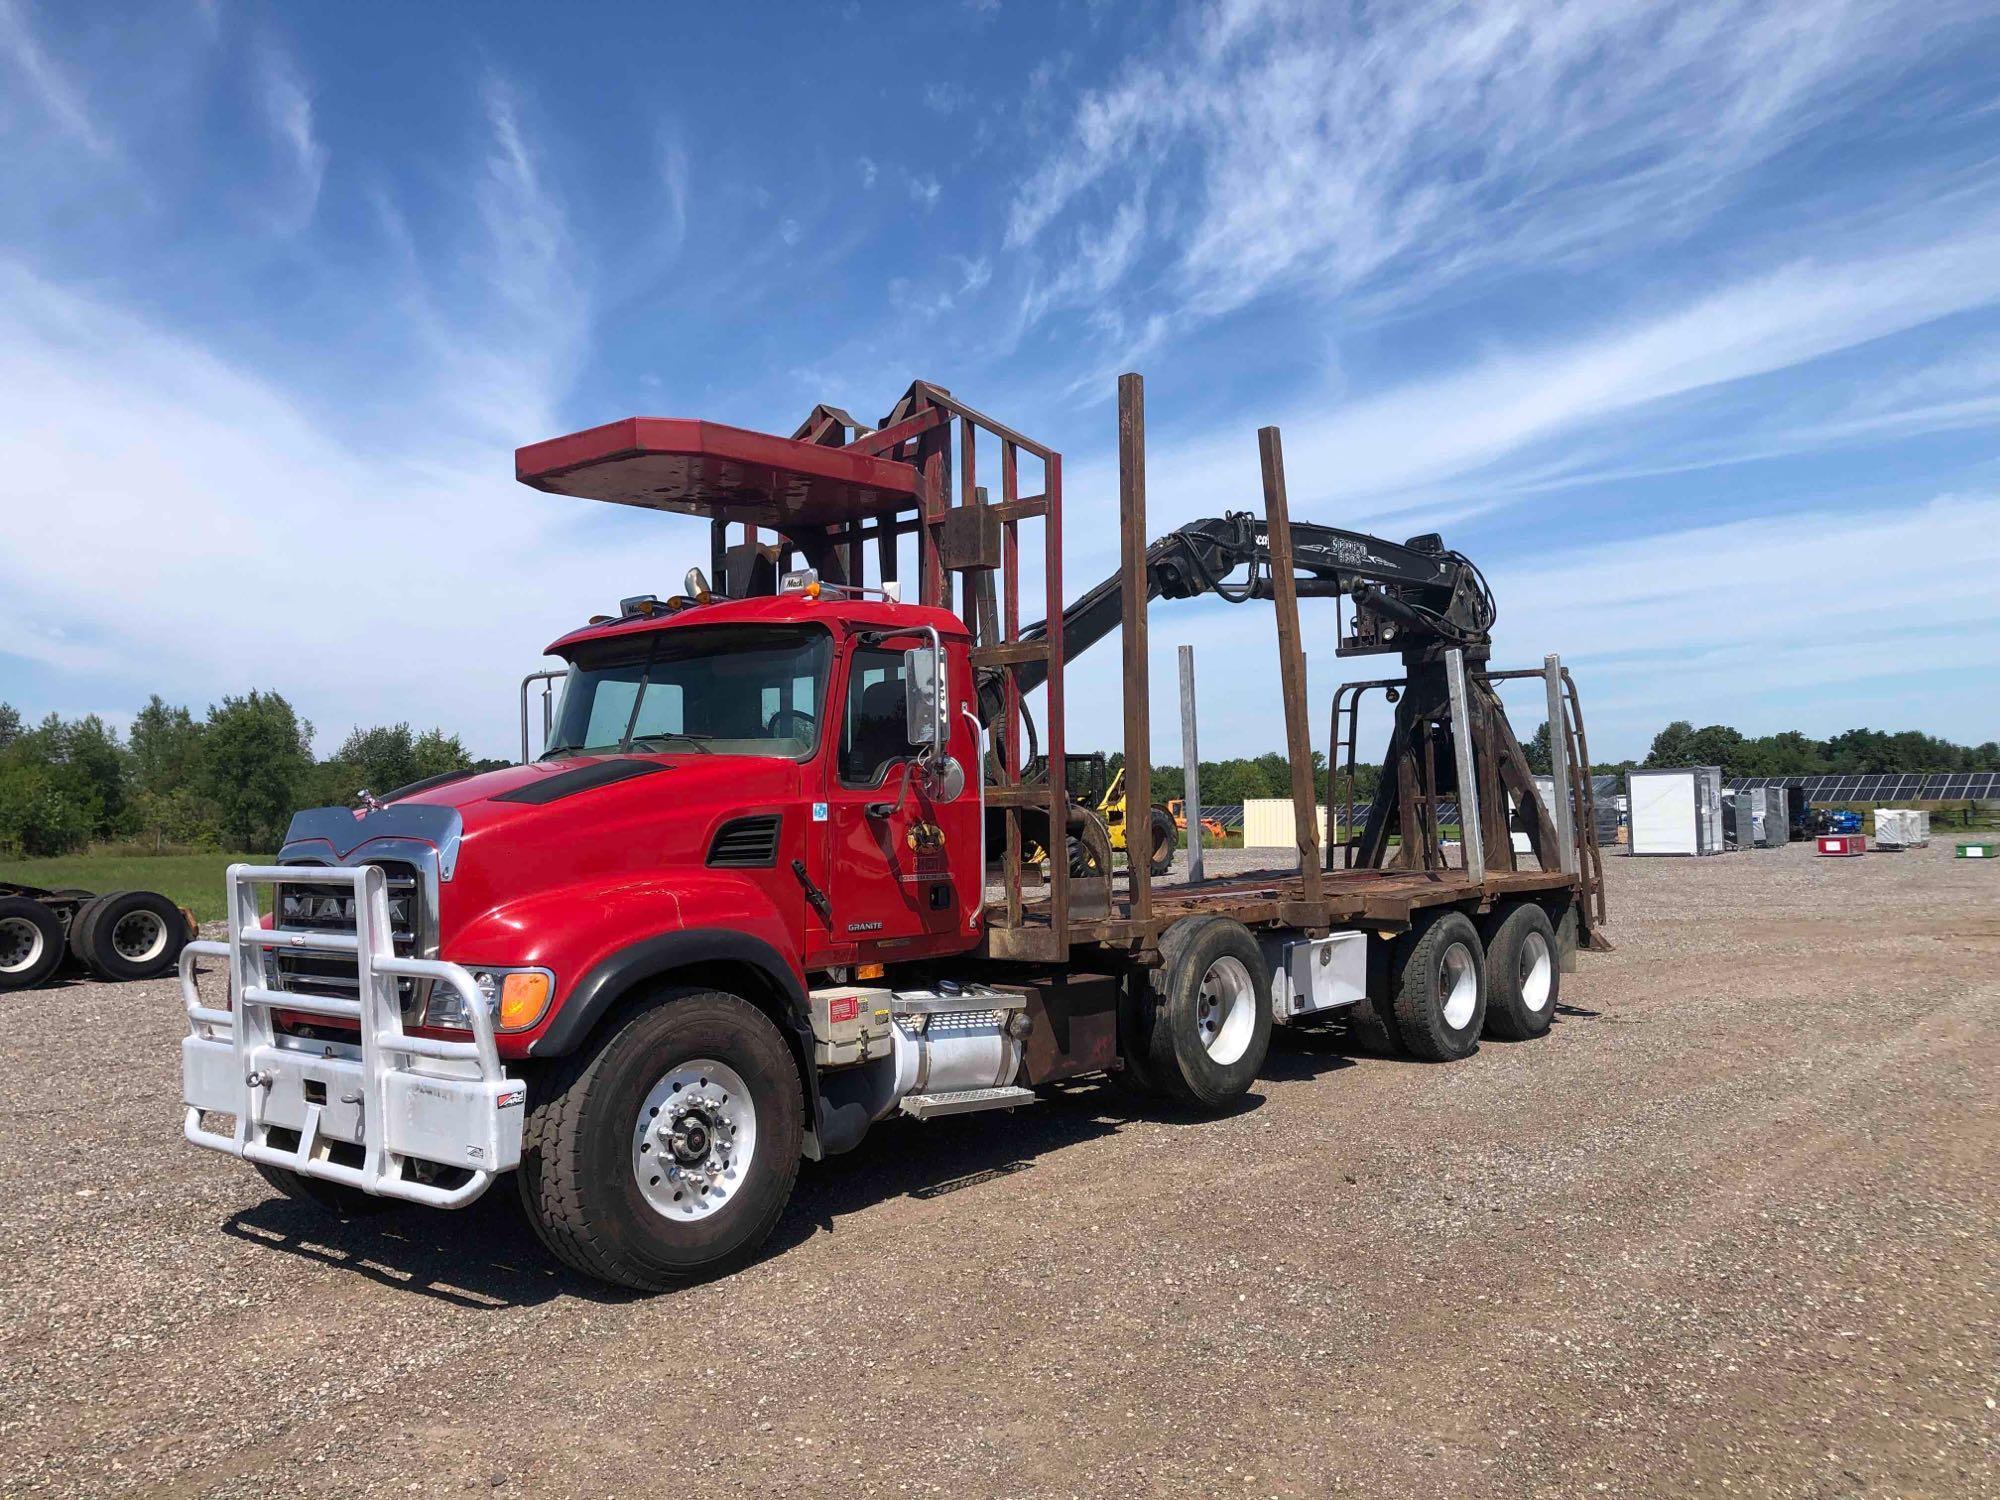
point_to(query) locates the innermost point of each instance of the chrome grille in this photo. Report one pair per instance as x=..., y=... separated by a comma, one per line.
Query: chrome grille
x=321, y=909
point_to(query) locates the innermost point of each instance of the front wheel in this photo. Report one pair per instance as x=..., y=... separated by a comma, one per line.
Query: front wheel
x=668, y=1152
x=335, y=1198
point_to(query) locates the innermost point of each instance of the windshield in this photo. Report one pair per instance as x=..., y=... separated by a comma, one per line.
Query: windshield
x=724, y=690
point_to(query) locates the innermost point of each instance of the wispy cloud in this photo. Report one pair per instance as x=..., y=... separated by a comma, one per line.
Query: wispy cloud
x=289, y=109
x=513, y=351
x=48, y=83
x=674, y=184
x=925, y=189
x=1333, y=148
x=1378, y=449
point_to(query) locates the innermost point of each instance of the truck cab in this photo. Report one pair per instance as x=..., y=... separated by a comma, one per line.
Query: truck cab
x=738, y=768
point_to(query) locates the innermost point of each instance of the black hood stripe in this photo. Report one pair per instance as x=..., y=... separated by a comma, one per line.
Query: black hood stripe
x=582, y=779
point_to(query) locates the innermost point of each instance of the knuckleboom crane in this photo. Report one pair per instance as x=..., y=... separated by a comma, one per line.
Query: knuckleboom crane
x=1417, y=598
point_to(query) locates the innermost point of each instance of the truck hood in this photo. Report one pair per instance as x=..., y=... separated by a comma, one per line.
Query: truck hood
x=588, y=794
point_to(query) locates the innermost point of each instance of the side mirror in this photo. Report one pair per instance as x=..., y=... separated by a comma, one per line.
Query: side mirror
x=924, y=697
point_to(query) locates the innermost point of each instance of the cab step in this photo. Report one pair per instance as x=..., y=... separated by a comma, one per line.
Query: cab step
x=964, y=1102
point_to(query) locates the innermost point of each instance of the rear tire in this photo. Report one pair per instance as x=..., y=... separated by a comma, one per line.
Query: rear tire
x=1440, y=1000
x=1212, y=1026
x=130, y=935
x=600, y=1122
x=31, y=943
x=76, y=922
x=1523, y=977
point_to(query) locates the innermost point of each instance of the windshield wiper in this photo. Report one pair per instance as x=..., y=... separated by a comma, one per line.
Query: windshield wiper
x=676, y=734
x=645, y=680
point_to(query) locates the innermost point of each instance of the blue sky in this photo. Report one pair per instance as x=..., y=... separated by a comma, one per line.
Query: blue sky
x=1683, y=321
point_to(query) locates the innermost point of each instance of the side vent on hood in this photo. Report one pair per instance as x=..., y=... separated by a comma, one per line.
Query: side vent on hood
x=746, y=843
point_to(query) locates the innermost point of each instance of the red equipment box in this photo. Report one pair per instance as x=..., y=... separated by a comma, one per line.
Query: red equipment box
x=1843, y=843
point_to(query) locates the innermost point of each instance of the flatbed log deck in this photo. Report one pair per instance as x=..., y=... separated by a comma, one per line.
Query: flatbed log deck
x=1388, y=899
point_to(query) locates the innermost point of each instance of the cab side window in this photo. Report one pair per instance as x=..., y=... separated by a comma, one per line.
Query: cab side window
x=874, y=734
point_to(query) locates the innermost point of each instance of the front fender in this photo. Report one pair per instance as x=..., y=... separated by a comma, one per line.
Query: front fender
x=601, y=938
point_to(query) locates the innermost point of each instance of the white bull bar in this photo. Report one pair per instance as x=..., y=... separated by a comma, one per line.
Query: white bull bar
x=402, y=1099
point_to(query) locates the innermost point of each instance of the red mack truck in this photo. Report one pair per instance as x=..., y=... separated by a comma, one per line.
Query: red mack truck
x=781, y=870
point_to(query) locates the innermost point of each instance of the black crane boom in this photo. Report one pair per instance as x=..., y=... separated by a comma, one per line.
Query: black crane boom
x=1407, y=595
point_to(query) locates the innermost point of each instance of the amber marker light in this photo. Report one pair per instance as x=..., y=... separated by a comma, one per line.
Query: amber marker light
x=524, y=996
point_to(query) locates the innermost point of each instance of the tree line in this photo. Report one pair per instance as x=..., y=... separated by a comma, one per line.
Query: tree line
x=229, y=779
x=1790, y=753
x=233, y=777
x=1856, y=752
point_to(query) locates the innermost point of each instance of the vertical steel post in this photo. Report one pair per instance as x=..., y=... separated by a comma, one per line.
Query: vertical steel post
x=1564, y=809
x=1291, y=660
x=1191, y=772
x=1132, y=570
x=1056, y=732
x=1470, y=841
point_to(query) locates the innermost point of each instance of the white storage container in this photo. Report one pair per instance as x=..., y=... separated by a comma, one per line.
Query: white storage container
x=1269, y=823
x=1894, y=828
x=1676, y=811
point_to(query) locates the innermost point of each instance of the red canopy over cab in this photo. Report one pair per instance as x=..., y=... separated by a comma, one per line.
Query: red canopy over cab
x=707, y=469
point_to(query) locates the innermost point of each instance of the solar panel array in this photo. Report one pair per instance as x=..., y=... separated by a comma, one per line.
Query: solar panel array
x=1882, y=786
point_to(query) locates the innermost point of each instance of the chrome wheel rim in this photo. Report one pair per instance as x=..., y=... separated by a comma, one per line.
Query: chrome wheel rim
x=694, y=1140
x=1536, y=973
x=139, y=937
x=1458, y=981
x=1226, y=1010
x=20, y=945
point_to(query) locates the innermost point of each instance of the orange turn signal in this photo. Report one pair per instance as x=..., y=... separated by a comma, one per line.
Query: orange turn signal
x=812, y=589
x=868, y=971
x=523, y=999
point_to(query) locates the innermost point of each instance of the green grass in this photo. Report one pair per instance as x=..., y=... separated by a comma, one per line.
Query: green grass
x=190, y=880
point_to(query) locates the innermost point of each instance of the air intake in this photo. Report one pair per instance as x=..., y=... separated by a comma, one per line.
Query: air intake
x=746, y=843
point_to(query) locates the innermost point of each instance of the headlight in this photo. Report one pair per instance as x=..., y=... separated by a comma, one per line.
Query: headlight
x=515, y=998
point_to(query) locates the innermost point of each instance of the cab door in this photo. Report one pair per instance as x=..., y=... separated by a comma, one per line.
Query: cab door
x=904, y=862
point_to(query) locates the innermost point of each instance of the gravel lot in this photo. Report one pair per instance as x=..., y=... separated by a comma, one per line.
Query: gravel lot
x=1730, y=1229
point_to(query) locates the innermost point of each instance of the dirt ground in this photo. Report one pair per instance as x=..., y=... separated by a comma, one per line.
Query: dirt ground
x=1730, y=1229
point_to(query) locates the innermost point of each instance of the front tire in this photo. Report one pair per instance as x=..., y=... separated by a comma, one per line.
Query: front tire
x=335, y=1198
x=669, y=1152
